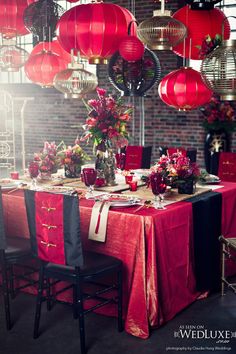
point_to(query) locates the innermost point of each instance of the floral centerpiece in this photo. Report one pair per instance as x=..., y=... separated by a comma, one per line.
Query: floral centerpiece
x=106, y=127
x=218, y=114
x=178, y=171
x=219, y=123
x=208, y=45
x=107, y=121
x=47, y=158
x=72, y=158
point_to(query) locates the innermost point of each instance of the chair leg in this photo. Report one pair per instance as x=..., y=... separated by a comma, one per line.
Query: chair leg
x=11, y=278
x=6, y=295
x=80, y=312
x=39, y=302
x=119, y=282
x=48, y=294
x=75, y=312
x=223, y=270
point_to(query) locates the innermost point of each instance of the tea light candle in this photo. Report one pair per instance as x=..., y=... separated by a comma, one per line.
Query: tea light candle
x=100, y=182
x=128, y=179
x=15, y=175
x=133, y=185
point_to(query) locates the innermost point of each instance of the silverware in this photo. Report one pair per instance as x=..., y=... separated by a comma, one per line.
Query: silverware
x=99, y=216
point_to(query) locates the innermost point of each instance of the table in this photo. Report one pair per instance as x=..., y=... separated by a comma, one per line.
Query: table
x=156, y=247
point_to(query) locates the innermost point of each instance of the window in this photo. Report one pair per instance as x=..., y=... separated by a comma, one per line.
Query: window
x=229, y=9
x=26, y=42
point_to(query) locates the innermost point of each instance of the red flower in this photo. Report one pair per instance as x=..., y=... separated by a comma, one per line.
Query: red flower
x=101, y=92
x=91, y=122
x=106, y=122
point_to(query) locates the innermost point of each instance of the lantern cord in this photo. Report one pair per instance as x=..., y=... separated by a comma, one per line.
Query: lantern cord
x=132, y=7
x=162, y=6
x=184, y=52
x=141, y=121
x=190, y=48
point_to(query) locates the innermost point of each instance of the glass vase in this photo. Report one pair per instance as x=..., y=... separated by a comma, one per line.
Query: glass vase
x=72, y=171
x=106, y=165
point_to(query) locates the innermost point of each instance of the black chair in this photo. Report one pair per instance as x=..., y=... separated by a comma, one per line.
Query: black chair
x=15, y=252
x=55, y=238
x=228, y=251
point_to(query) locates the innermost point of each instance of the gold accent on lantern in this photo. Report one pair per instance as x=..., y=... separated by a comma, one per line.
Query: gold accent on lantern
x=161, y=32
x=75, y=81
x=218, y=70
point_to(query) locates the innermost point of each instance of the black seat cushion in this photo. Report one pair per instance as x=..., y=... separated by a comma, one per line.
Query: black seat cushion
x=17, y=247
x=94, y=263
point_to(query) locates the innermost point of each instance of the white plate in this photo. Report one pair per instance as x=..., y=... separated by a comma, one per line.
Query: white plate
x=211, y=182
x=10, y=185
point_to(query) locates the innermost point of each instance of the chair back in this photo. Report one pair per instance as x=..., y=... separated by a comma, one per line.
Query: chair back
x=3, y=243
x=227, y=166
x=137, y=157
x=54, y=226
x=171, y=151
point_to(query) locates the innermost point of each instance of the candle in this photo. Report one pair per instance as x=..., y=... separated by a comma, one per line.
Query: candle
x=100, y=182
x=128, y=179
x=15, y=175
x=133, y=185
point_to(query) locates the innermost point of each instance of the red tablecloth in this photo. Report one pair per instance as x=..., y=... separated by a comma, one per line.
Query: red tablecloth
x=156, y=250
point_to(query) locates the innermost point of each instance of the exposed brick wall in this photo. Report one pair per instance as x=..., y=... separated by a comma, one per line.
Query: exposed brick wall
x=51, y=117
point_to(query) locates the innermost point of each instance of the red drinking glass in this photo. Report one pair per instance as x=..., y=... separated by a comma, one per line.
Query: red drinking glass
x=158, y=185
x=89, y=176
x=33, y=169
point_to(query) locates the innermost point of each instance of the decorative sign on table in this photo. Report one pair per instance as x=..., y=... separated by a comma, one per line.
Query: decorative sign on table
x=137, y=157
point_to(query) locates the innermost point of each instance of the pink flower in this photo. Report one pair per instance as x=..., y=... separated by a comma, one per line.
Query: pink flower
x=91, y=122
x=125, y=117
x=101, y=92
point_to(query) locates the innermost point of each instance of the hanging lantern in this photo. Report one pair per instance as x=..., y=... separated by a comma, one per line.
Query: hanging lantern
x=131, y=48
x=134, y=78
x=184, y=89
x=12, y=57
x=42, y=68
x=161, y=32
x=95, y=30
x=41, y=17
x=54, y=47
x=11, y=17
x=218, y=70
x=75, y=81
x=199, y=24
x=202, y=4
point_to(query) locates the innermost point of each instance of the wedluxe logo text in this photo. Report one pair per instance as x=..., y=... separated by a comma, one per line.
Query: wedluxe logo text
x=224, y=335
x=209, y=339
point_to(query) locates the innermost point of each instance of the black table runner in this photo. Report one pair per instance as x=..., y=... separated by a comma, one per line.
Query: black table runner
x=207, y=210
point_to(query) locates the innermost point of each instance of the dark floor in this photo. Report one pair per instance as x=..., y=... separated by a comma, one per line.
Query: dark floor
x=59, y=332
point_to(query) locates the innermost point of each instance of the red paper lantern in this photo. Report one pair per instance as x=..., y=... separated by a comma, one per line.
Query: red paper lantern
x=184, y=89
x=199, y=24
x=11, y=17
x=42, y=68
x=95, y=30
x=54, y=47
x=131, y=48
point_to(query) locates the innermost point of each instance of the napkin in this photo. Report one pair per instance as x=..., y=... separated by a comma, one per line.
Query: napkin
x=98, y=221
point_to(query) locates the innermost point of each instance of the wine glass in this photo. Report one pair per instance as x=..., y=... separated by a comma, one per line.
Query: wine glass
x=90, y=176
x=158, y=185
x=33, y=169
